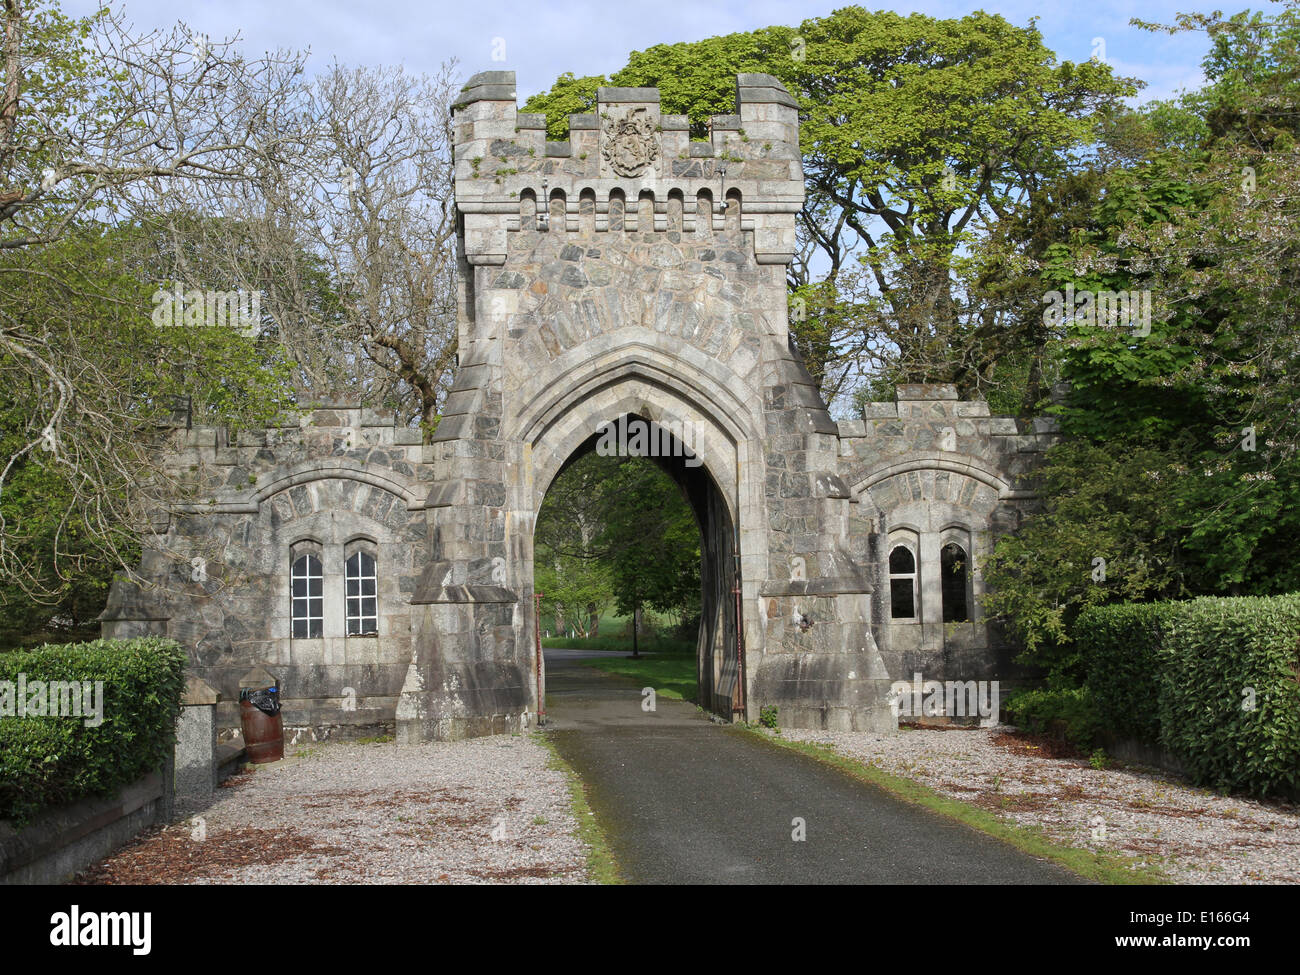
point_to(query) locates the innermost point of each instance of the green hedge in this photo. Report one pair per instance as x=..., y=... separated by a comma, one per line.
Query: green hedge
x=1218, y=656
x=1120, y=647
x=1178, y=675
x=49, y=761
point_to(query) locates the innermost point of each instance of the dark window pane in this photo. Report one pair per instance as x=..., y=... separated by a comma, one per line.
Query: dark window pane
x=954, y=571
x=315, y=587
x=300, y=609
x=367, y=587
x=300, y=587
x=300, y=629
x=354, y=587
x=370, y=626
x=901, y=604
x=901, y=560
x=368, y=607
x=315, y=628
x=367, y=564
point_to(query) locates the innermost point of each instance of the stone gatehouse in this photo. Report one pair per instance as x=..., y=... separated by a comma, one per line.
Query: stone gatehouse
x=628, y=272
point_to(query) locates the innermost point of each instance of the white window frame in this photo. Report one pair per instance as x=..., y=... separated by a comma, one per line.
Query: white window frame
x=361, y=623
x=309, y=559
x=912, y=546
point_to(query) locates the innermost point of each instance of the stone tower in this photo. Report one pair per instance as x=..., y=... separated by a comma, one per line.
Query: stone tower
x=633, y=272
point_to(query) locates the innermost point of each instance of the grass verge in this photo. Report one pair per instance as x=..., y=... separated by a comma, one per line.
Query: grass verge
x=671, y=675
x=601, y=866
x=1097, y=865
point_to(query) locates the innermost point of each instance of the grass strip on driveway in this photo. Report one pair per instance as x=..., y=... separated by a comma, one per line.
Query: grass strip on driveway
x=1096, y=865
x=601, y=865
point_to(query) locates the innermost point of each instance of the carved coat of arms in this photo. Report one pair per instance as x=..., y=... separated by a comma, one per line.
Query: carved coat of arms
x=630, y=144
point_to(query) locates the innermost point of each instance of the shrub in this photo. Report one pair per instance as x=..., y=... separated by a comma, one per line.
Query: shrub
x=1120, y=646
x=1061, y=710
x=1230, y=692
x=50, y=761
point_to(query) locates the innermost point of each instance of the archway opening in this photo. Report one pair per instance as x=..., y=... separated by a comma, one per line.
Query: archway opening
x=634, y=551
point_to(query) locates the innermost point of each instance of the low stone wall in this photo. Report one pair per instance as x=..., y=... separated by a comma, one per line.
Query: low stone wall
x=61, y=842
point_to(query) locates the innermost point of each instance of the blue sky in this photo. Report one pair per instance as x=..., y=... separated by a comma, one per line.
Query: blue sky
x=546, y=37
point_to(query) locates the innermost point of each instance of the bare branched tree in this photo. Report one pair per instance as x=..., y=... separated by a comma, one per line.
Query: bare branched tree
x=99, y=126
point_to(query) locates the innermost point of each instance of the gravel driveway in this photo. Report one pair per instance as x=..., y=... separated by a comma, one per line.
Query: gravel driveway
x=488, y=810
x=1196, y=836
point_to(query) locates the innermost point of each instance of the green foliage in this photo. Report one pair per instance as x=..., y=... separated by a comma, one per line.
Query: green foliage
x=94, y=290
x=1120, y=646
x=1216, y=681
x=914, y=131
x=616, y=531
x=1058, y=711
x=1229, y=705
x=51, y=761
x=1103, y=503
x=1099, y=760
x=767, y=715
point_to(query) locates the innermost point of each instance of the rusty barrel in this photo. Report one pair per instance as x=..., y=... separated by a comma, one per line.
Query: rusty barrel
x=259, y=717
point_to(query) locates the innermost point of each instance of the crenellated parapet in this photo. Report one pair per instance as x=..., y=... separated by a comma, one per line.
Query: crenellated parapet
x=627, y=168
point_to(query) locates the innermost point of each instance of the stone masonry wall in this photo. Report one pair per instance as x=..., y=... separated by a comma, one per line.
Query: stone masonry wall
x=216, y=570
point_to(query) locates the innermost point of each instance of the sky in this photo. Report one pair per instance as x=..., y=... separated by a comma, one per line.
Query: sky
x=541, y=39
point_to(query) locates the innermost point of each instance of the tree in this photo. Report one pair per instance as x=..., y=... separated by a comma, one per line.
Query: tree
x=615, y=531
x=917, y=136
x=652, y=541
x=97, y=127
x=1183, y=460
x=359, y=210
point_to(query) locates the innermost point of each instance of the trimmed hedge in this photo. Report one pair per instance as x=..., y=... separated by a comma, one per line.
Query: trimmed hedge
x=1185, y=675
x=1222, y=654
x=50, y=761
x=1120, y=647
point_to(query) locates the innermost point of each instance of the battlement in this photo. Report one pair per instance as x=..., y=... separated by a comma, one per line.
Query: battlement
x=627, y=168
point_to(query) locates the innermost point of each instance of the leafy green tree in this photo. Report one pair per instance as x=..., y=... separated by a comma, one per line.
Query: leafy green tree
x=616, y=531
x=1183, y=458
x=68, y=511
x=917, y=134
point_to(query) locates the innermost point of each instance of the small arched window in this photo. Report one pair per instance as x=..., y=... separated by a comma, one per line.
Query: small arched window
x=308, y=583
x=954, y=571
x=902, y=583
x=362, y=598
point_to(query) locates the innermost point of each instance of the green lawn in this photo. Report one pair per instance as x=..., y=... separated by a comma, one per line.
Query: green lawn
x=671, y=675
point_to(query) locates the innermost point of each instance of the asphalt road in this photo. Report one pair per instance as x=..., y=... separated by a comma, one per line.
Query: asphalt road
x=685, y=801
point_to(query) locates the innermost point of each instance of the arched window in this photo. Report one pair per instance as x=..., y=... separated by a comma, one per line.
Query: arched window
x=902, y=583
x=954, y=570
x=362, y=601
x=308, y=597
